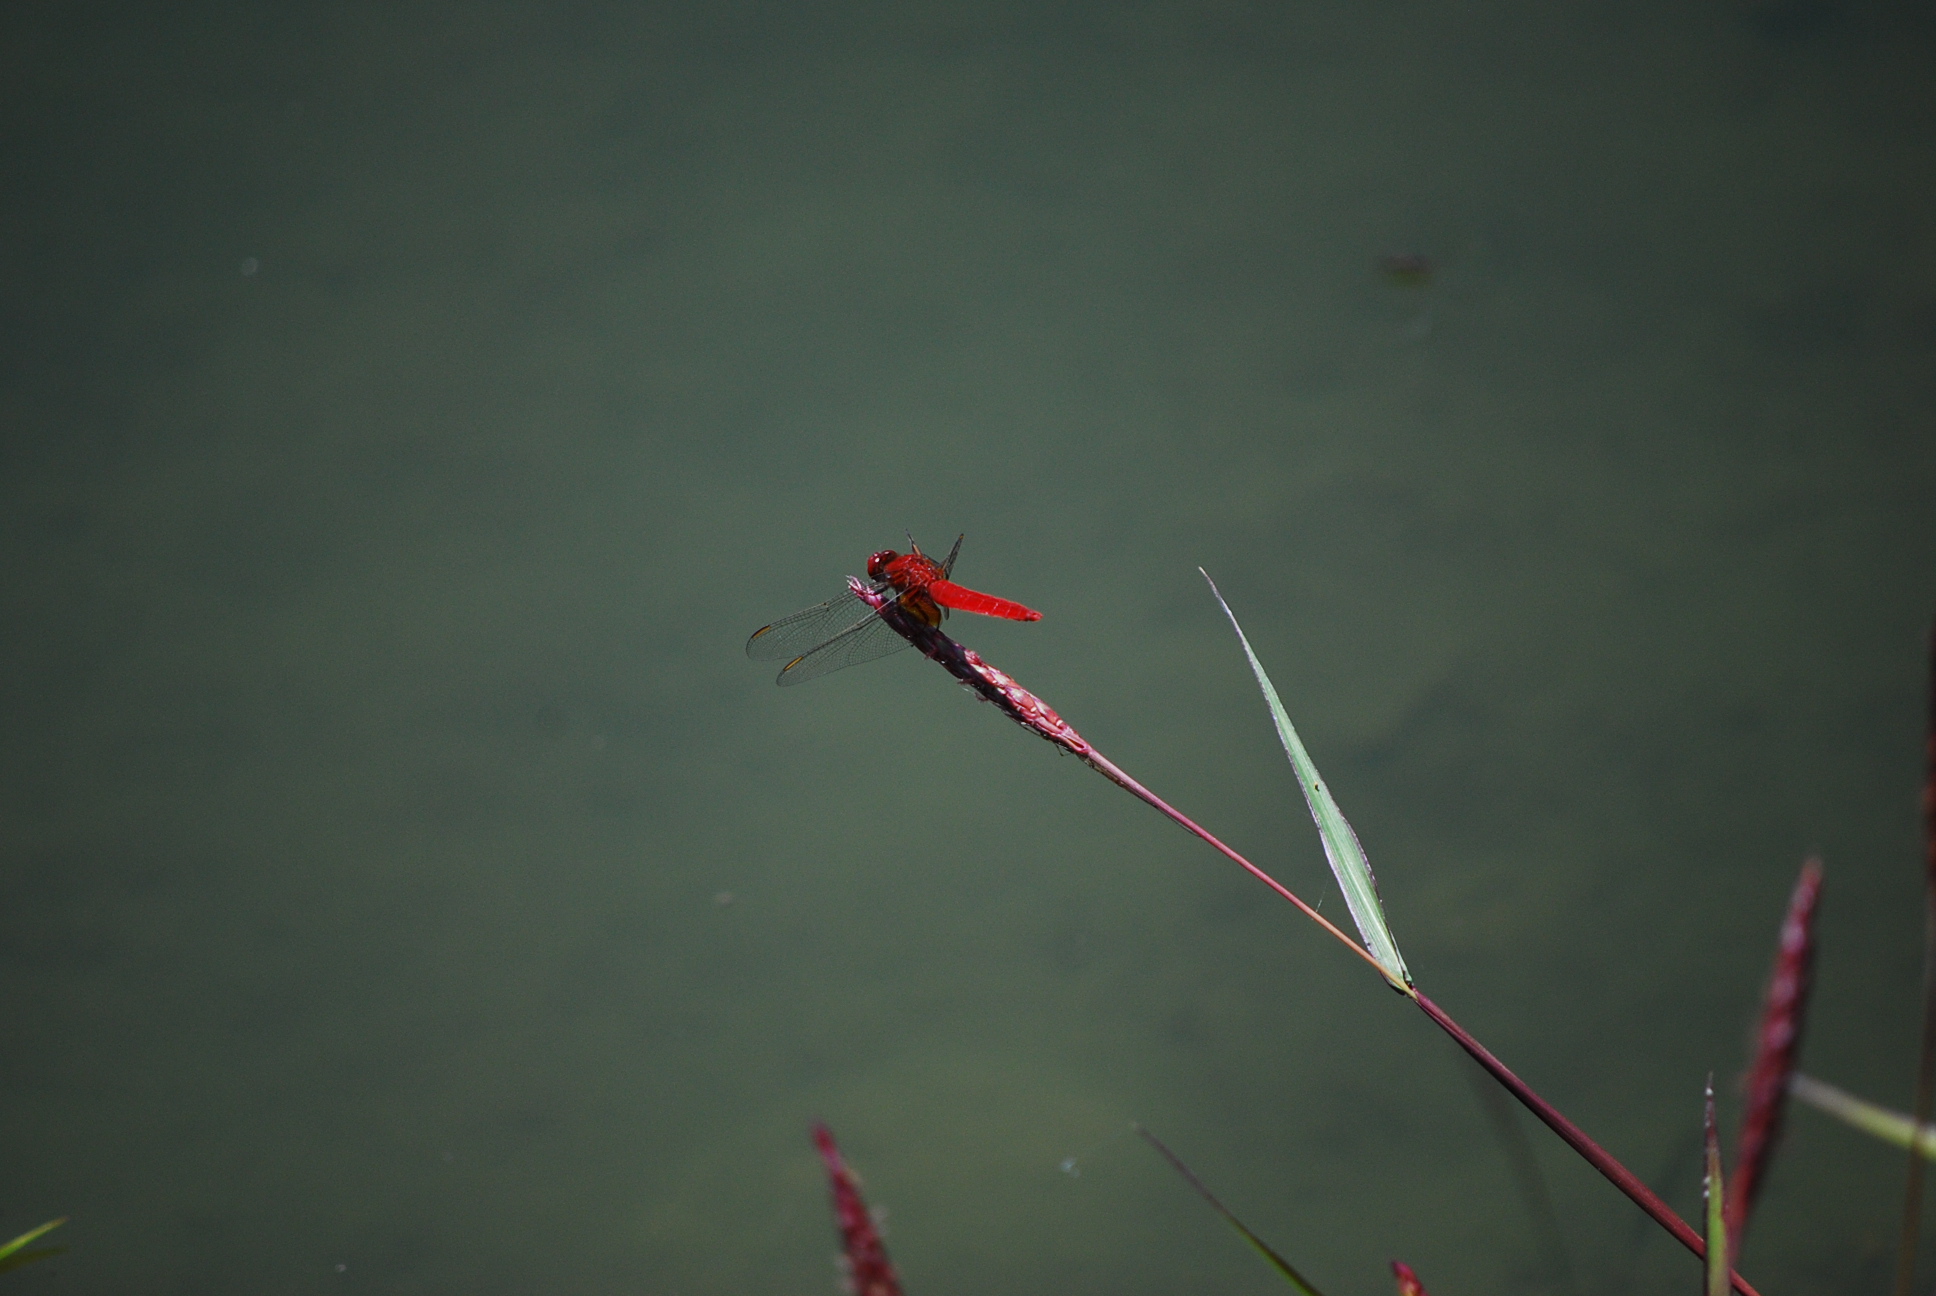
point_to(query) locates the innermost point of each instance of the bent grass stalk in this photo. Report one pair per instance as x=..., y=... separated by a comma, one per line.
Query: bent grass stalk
x=1912, y=1195
x=1202, y=1190
x=1018, y=704
x=14, y=1254
x=1894, y=1127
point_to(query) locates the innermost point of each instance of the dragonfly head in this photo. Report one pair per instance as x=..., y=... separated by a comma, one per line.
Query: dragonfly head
x=877, y=564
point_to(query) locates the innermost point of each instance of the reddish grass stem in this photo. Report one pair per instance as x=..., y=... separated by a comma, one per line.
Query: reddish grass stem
x=1036, y=716
x=1096, y=761
x=1575, y=1137
x=1912, y=1194
x=1032, y=713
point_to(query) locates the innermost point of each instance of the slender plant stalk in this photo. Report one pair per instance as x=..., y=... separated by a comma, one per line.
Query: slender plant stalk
x=1912, y=1193
x=1912, y=1190
x=14, y=1255
x=1032, y=713
x=1189, y=1176
x=1100, y=763
x=1576, y=1138
x=1889, y=1126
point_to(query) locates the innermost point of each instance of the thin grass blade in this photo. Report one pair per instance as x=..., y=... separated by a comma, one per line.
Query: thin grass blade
x=9, y=1248
x=1341, y=847
x=1189, y=1176
x=13, y=1254
x=1912, y=1193
x=1716, y=1194
x=1871, y=1118
x=20, y=1259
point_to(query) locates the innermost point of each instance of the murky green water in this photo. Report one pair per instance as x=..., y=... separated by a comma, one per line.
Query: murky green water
x=409, y=886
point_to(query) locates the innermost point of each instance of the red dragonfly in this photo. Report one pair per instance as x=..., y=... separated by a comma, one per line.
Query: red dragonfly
x=848, y=630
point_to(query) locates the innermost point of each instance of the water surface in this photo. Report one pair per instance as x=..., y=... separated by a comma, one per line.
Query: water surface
x=409, y=887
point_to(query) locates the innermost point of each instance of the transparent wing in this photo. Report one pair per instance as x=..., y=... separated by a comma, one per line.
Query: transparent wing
x=807, y=629
x=826, y=637
x=870, y=639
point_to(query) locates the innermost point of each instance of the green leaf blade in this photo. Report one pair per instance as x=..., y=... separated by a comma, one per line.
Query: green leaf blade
x=13, y=1255
x=1341, y=847
x=20, y=1258
x=30, y=1235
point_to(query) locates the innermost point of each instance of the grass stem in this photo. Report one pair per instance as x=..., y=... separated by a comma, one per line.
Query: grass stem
x=1001, y=690
x=1912, y=1192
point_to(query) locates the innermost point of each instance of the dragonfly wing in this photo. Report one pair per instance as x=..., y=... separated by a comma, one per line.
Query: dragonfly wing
x=872, y=638
x=808, y=629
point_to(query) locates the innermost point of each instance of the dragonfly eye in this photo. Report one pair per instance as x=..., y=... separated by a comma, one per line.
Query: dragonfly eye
x=877, y=564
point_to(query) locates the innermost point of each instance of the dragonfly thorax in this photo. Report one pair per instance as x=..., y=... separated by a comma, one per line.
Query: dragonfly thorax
x=910, y=575
x=905, y=572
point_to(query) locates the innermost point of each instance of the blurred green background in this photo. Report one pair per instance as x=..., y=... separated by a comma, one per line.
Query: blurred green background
x=406, y=884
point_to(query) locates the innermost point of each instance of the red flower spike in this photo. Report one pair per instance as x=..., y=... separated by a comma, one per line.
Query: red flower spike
x=1408, y=1283
x=1776, y=1042
x=868, y=1270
